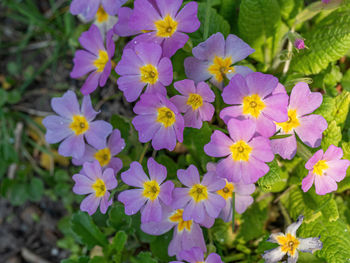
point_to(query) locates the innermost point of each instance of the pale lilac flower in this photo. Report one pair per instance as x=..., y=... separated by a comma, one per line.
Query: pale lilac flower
x=187, y=234
x=196, y=255
x=289, y=244
x=95, y=60
x=105, y=156
x=242, y=196
x=159, y=21
x=142, y=67
x=299, y=43
x=308, y=127
x=158, y=120
x=92, y=181
x=151, y=193
x=74, y=124
x=246, y=152
x=89, y=8
x=194, y=101
x=253, y=98
x=199, y=199
x=325, y=169
x=214, y=59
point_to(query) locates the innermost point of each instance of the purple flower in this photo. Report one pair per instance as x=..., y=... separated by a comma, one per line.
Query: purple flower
x=199, y=200
x=187, y=234
x=309, y=127
x=74, y=124
x=214, y=59
x=158, y=120
x=299, y=43
x=159, y=21
x=242, y=196
x=151, y=192
x=142, y=67
x=194, y=102
x=246, y=152
x=289, y=244
x=92, y=181
x=326, y=1
x=89, y=8
x=104, y=156
x=325, y=169
x=253, y=98
x=95, y=60
x=195, y=255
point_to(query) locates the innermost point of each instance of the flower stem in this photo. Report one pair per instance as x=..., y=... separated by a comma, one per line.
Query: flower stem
x=145, y=147
x=233, y=212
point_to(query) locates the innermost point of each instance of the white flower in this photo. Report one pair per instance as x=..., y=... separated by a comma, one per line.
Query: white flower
x=290, y=244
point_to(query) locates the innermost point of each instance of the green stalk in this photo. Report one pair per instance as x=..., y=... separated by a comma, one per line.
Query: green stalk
x=206, y=21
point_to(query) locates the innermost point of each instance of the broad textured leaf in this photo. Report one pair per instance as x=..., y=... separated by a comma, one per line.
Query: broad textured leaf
x=335, y=237
x=290, y=8
x=342, y=102
x=272, y=179
x=331, y=136
x=145, y=257
x=122, y=124
x=261, y=27
x=327, y=42
x=86, y=230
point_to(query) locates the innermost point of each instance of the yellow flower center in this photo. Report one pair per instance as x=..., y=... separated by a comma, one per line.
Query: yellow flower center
x=288, y=243
x=151, y=190
x=79, y=124
x=319, y=167
x=103, y=156
x=149, y=74
x=227, y=191
x=291, y=123
x=240, y=151
x=99, y=187
x=198, y=192
x=166, y=27
x=220, y=67
x=166, y=116
x=101, y=61
x=101, y=15
x=195, y=101
x=176, y=217
x=253, y=105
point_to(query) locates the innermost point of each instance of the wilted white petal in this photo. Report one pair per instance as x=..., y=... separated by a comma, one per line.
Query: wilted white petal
x=294, y=258
x=310, y=244
x=294, y=227
x=273, y=237
x=273, y=255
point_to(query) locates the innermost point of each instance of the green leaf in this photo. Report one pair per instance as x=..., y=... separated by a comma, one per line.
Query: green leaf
x=327, y=108
x=290, y=8
x=272, y=179
x=117, y=218
x=122, y=124
x=222, y=233
x=327, y=42
x=342, y=102
x=170, y=165
x=254, y=220
x=330, y=211
x=35, y=189
x=345, y=82
x=331, y=136
x=98, y=259
x=216, y=24
x=334, y=235
x=144, y=257
x=260, y=25
x=86, y=230
x=159, y=247
x=195, y=139
x=117, y=247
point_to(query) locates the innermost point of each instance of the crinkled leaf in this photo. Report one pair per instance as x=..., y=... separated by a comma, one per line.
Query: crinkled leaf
x=327, y=42
x=272, y=179
x=261, y=27
x=334, y=235
x=331, y=136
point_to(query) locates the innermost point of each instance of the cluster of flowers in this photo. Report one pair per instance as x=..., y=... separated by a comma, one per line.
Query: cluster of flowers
x=260, y=108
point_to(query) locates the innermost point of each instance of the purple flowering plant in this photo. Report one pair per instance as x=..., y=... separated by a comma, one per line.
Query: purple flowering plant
x=217, y=128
